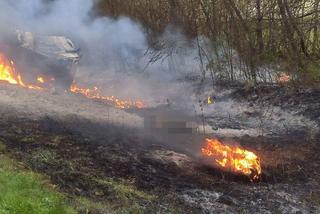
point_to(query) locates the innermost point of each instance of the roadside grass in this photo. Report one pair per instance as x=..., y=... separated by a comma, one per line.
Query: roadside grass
x=125, y=191
x=25, y=192
x=127, y=198
x=22, y=191
x=87, y=205
x=114, y=195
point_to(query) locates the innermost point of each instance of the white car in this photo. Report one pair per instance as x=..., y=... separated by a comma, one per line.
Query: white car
x=52, y=56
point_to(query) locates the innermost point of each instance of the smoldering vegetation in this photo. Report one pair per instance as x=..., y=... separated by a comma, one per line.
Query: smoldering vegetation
x=110, y=156
x=118, y=56
x=250, y=38
x=115, y=52
x=88, y=153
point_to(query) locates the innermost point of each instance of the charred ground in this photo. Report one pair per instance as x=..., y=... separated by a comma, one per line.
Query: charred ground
x=122, y=170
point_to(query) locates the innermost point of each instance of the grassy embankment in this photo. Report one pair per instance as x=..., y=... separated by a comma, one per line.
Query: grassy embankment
x=23, y=191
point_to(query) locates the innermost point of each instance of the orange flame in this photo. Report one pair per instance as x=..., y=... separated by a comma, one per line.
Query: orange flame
x=9, y=74
x=95, y=93
x=283, y=78
x=40, y=79
x=46, y=81
x=233, y=158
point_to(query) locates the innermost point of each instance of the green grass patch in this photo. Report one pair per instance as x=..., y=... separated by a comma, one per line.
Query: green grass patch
x=6, y=163
x=25, y=192
x=126, y=197
x=124, y=190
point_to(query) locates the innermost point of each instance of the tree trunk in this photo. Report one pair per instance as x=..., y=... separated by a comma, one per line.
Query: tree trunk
x=259, y=27
x=288, y=35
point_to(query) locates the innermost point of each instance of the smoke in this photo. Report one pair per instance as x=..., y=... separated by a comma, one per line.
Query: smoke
x=115, y=52
x=117, y=58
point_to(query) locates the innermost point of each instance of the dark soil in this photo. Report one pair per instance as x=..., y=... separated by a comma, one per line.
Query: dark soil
x=76, y=162
x=304, y=101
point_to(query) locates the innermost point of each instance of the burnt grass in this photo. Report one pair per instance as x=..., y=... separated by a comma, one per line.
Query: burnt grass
x=84, y=166
x=306, y=100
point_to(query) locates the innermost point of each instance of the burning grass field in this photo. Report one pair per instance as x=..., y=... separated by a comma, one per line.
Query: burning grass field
x=103, y=165
x=102, y=114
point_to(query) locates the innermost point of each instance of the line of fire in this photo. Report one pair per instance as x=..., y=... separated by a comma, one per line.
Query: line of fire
x=159, y=107
x=58, y=57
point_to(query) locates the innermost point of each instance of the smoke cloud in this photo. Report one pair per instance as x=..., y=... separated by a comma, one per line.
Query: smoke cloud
x=117, y=58
x=115, y=52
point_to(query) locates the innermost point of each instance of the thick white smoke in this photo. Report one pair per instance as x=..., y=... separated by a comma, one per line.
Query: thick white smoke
x=109, y=47
x=116, y=55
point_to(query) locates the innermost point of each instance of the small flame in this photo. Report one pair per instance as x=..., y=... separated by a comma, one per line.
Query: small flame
x=46, y=80
x=95, y=93
x=283, y=78
x=209, y=100
x=40, y=79
x=233, y=158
